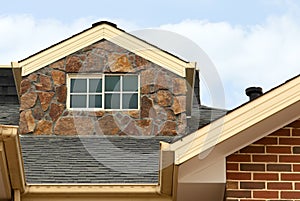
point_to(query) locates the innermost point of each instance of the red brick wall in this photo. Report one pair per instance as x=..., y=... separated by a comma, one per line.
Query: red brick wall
x=268, y=169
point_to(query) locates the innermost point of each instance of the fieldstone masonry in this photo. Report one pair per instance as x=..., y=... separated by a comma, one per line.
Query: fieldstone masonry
x=44, y=94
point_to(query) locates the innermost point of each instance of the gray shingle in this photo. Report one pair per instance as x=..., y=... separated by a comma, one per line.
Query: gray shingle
x=64, y=159
x=202, y=116
x=100, y=159
x=8, y=92
x=9, y=114
x=9, y=106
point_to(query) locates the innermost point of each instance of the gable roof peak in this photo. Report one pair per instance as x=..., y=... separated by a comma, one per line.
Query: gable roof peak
x=104, y=22
x=108, y=31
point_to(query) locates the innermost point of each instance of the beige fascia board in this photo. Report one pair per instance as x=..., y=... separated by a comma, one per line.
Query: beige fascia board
x=190, y=83
x=147, y=51
x=236, y=121
x=93, y=192
x=5, y=187
x=15, y=64
x=17, y=195
x=9, y=135
x=12, y=65
x=91, y=189
x=8, y=132
x=164, y=146
x=61, y=50
x=112, y=34
x=17, y=73
x=166, y=168
x=5, y=66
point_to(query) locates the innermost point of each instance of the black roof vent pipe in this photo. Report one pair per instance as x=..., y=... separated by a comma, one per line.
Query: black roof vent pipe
x=254, y=92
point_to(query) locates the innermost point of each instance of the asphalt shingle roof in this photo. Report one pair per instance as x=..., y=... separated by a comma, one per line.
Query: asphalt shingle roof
x=9, y=106
x=65, y=159
x=202, y=116
x=9, y=114
x=8, y=92
x=97, y=159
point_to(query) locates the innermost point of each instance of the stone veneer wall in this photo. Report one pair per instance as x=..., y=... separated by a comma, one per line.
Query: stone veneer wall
x=44, y=92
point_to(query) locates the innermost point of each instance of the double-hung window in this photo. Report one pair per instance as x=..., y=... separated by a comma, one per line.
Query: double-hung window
x=110, y=92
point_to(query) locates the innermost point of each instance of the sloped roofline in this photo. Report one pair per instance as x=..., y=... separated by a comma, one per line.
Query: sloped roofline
x=99, y=31
x=236, y=122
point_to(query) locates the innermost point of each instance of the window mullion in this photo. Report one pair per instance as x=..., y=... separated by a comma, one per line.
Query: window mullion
x=87, y=93
x=138, y=92
x=121, y=92
x=124, y=94
x=103, y=91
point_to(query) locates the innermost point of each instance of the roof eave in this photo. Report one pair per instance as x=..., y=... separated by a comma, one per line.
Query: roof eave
x=235, y=122
x=201, y=156
x=5, y=66
x=93, y=191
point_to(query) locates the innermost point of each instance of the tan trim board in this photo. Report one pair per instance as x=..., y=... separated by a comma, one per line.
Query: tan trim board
x=166, y=168
x=190, y=79
x=12, y=65
x=93, y=188
x=5, y=189
x=7, y=132
x=237, y=121
x=15, y=163
x=17, y=72
x=10, y=138
x=81, y=197
x=17, y=195
x=175, y=183
x=5, y=66
x=112, y=34
x=65, y=192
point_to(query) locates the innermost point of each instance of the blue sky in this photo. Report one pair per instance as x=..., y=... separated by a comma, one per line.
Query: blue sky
x=250, y=42
x=150, y=13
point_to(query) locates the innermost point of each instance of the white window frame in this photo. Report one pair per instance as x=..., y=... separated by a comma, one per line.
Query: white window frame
x=102, y=77
x=121, y=92
x=83, y=76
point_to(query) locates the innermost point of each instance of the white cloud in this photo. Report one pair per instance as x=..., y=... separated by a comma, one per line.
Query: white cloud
x=262, y=55
x=265, y=55
x=23, y=35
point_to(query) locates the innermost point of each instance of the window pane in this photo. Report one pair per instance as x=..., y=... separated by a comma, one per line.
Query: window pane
x=95, y=101
x=95, y=85
x=78, y=101
x=112, y=83
x=130, y=101
x=130, y=83
x=112, y=101
x=78, y=85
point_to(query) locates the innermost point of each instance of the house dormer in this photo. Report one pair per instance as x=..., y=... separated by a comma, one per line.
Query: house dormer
x=104, y=81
